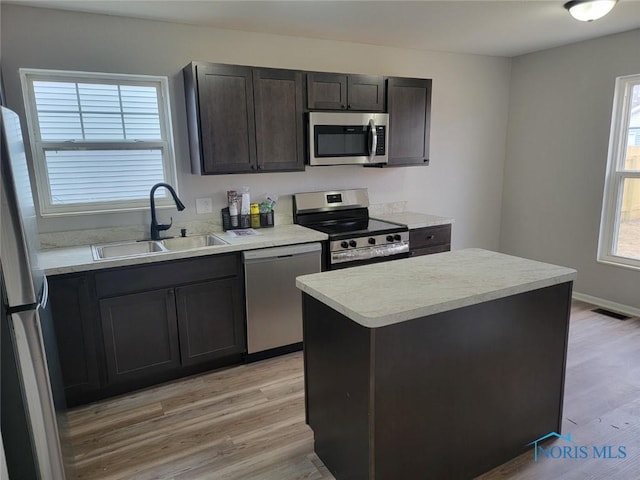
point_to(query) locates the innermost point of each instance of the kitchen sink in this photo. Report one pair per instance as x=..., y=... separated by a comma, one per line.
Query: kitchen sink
x=108, y=251
x=126, y=249
x=195, y=241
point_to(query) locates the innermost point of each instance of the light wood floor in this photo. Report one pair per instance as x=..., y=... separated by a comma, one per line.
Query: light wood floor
x=247, y=422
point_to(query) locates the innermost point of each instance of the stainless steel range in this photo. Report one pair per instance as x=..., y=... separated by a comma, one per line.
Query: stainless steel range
x=354, y=238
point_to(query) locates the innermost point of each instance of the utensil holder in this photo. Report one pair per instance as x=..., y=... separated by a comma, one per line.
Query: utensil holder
x=266, y=219
x=226, y=219
x=242, y=221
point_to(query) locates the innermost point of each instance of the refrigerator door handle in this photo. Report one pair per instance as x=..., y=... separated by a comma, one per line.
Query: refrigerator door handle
x=44, y=297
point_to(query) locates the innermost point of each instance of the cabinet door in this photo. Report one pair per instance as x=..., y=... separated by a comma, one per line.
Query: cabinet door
x=326, y=91
x=226, y=118
x=140, y=335
x=409, y=108
x=279, y=119
x=210, y=321
x=366, y=93
x=77, y=334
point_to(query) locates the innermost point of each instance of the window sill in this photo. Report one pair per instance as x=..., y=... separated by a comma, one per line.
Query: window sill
x=622, y=262
x=137, y=208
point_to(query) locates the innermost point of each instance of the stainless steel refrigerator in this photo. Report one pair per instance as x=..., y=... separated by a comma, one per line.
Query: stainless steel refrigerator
x=32, y=406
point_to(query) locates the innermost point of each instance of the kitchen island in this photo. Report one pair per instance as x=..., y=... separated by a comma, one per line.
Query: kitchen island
x=442, y=366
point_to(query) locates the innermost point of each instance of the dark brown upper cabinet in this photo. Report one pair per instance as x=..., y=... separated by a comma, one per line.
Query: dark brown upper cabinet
x=409, y=109
x=243, y=119
x=338, y=91
x=365, y=92
x=220, y=118
x=279, y=119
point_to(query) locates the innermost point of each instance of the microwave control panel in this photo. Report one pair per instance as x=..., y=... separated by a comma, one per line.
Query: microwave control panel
x=380, y=145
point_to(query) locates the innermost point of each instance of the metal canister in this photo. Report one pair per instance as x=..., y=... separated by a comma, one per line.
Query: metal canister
x=255, y=215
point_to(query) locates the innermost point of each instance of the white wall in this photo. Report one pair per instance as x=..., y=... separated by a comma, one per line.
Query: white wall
x=469, y=109
x=559, y=122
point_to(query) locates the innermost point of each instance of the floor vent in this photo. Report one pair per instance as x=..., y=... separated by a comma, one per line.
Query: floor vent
x=609, y=313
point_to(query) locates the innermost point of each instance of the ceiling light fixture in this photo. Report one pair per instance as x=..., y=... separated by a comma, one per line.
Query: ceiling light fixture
x=589, y=10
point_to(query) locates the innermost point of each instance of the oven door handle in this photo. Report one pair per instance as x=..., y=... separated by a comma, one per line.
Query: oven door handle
x=373, y=139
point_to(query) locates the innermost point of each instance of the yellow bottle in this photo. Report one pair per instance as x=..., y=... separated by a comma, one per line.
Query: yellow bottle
x=255, y=216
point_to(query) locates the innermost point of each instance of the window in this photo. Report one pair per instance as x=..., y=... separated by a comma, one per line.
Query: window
x=99, y=141
x=620, y=224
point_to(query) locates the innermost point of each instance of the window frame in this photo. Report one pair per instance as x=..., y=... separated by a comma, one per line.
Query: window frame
x=38, y=146
x=616, y=175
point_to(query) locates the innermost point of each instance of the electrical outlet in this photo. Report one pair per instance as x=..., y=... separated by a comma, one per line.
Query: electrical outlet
x=204, y=205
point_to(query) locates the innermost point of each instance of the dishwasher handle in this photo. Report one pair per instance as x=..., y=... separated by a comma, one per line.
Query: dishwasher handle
x=249, y=256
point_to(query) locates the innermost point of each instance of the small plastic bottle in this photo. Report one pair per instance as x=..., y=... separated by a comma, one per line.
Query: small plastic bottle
x=255, y=215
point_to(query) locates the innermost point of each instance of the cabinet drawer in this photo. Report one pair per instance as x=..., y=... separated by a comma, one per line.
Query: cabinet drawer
x=133, y=279
x=429, y=236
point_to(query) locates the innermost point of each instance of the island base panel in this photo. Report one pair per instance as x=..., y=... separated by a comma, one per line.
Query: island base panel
x=450, y=395
x=337, y=389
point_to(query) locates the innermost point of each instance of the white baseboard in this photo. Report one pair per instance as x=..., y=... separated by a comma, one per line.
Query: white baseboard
x=613, y=306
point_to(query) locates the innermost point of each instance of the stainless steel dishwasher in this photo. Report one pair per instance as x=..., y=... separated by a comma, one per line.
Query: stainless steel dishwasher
x=274, y=304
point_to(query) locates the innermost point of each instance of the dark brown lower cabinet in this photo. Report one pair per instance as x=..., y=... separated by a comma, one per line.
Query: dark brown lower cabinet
x=140, y=335
x=210, y=321
x=125, y=328
x=73, y=306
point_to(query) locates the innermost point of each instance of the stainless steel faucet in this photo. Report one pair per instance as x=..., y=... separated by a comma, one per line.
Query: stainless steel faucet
x=156, y=227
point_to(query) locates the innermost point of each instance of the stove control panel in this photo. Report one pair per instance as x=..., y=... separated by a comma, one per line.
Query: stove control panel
x=372, y=241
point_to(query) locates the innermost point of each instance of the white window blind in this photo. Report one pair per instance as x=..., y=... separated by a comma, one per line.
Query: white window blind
x=100, y=141
x=102, y=175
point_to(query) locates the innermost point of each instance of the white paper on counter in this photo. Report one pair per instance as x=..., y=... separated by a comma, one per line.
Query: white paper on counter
x=245, y=232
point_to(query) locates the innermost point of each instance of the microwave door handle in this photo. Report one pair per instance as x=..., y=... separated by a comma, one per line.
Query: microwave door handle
x=373, y=139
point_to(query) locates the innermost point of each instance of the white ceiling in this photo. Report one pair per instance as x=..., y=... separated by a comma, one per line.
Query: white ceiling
x=501, y=28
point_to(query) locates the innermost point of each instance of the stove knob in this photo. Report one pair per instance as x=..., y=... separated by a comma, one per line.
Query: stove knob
x=372, y=241
x=352, y=243
x=389, y=238
x=397, y=237
x=344, y=245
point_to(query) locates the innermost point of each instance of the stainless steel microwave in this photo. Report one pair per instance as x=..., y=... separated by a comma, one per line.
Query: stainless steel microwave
x=347, y=138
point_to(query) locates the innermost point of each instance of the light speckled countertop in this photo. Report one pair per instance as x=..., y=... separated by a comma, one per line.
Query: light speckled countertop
x=78, y=259
x=391, y=292
x=414, y=220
